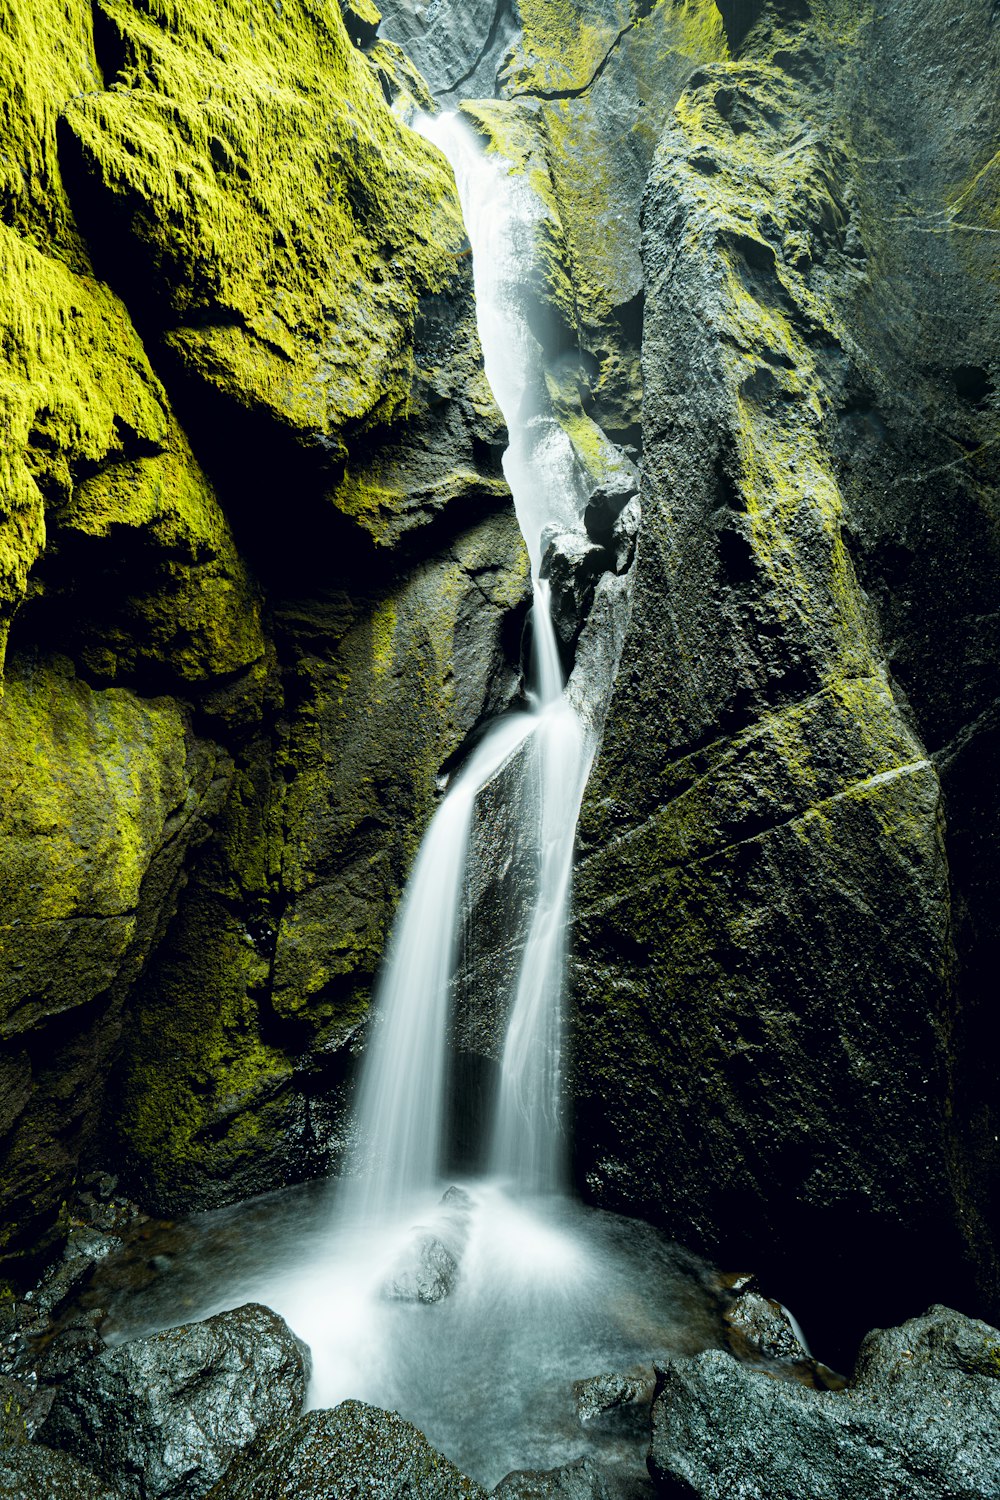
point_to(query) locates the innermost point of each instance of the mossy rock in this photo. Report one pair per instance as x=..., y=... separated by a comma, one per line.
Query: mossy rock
x=103, y=794
x=255, y=199
x=289, y=907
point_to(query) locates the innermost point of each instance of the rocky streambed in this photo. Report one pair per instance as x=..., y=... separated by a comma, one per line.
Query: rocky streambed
x=725, y=1400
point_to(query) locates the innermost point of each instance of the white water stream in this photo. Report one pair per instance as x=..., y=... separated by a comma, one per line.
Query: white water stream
x=546, y=1292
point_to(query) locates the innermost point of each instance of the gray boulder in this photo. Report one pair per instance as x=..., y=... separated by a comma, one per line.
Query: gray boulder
x=605, y=1393
x=164, y=1416
x=428, y=1268
x=31, y=1472
x=920, y=1419
x=351, y=1452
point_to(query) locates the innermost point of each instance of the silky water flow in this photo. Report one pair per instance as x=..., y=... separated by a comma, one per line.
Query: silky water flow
x=472, y=1309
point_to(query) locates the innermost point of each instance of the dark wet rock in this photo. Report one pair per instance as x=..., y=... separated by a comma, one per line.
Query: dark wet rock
x=91, y=1245
x=362, y=18
x=429, y=1275
x=582, y=1480
x=31, y=1472
x=164, y=1416
x=62, y=1283
x=15, y=1400
x=605, y=1393
x=919, y=1419
x=70, y=1346
x=761, y=1326
x=624, y=535
x=353, y=1451
x=572, y=564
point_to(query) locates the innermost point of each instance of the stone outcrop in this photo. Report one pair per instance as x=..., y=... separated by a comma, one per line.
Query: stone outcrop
x=353, y=1450
x=166, y=1415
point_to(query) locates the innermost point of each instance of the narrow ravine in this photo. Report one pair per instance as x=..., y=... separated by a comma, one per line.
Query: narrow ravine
x=473, y=1307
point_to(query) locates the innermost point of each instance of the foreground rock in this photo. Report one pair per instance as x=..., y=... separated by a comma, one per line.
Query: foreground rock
x=355, y=1450
x=164, y=1416
x=920, y=1420
x=30, y=1472
x=606, y=1393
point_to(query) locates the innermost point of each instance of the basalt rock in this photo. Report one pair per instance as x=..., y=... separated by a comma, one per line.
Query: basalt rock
x=164, y=1416
x=582, y=1480
x=353, y=1450
x=918, y=1419
x=572, y=564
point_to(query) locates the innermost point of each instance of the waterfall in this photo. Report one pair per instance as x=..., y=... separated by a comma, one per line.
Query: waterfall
x=472, y=1312
x=401, y=1108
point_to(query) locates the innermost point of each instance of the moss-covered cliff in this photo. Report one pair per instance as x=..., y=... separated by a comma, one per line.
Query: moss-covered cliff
x=240, y=368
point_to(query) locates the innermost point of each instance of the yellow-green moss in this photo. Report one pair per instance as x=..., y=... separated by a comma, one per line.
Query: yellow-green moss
x=88, y=781
x=46, y=58
x=78, y=400
x=288, y=220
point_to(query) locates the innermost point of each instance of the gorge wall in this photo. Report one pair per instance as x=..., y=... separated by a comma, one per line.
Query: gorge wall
x=262, y=583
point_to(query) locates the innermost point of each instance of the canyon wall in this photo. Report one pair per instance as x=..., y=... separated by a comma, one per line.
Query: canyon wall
x=260, y=583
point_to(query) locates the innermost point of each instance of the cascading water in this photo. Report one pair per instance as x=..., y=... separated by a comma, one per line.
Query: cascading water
x=401, y=1105
x=536, y=1291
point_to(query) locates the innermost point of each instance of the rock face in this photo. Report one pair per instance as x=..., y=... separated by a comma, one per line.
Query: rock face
x=919, y=1419
x=769, y=973
x=164, y=1416
x=257, y=574
x=353, y=1450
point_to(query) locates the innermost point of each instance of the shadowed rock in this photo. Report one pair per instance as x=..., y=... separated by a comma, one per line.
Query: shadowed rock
x=354, y=1450
x=31, y=1472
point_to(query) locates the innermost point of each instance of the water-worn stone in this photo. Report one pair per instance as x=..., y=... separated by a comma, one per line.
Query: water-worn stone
x=32, y=1472
x=351, y=1452
x=919, y=1419
x=582, y=1480
x=572, y=564
x=605, y=1393
x=428, y=1267
x=164, y=1416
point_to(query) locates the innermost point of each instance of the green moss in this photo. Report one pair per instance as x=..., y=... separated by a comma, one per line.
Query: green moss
x=46, y=57
x=88, y=782
x=286, y=220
